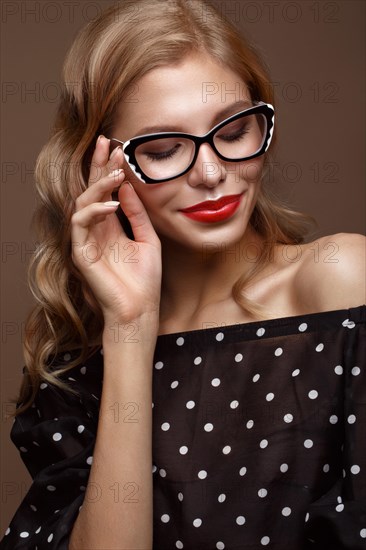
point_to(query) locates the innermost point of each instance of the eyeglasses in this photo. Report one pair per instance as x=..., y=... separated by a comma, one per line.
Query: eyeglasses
x=156, y=158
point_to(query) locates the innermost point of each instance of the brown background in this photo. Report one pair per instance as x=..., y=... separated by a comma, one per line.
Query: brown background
x=315, y=52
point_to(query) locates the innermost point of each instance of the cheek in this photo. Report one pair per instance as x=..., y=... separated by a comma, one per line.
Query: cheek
x=251, y=170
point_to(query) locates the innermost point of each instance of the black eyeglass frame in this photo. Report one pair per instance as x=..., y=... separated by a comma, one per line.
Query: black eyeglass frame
x=130, y=146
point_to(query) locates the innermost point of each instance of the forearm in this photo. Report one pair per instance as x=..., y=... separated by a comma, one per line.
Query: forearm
x=117, y=509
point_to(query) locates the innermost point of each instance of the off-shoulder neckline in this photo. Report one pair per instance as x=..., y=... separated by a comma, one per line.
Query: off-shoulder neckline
x=355, y=314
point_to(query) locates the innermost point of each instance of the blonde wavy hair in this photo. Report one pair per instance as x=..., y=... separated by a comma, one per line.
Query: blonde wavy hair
x=109, y=55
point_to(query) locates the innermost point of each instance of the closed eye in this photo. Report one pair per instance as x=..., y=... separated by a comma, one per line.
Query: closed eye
x=162, y=155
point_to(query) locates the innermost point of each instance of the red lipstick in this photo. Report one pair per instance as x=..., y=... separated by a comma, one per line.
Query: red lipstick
x=213, y=211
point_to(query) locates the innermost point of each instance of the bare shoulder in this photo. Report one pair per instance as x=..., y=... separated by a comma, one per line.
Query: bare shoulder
x=332, y=272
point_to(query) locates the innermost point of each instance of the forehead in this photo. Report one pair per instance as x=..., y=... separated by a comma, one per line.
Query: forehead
x=197, y=86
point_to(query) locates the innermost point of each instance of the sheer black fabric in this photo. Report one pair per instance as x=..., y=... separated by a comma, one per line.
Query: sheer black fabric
x=258, y=439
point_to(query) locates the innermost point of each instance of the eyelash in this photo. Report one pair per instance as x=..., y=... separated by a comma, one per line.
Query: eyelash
x=162, y=156
x=236, y=136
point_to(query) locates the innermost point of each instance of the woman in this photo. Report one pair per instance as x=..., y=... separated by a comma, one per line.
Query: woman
x=230, y=414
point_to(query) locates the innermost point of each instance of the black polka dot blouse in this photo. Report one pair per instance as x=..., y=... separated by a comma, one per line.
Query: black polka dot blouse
x=259, y=439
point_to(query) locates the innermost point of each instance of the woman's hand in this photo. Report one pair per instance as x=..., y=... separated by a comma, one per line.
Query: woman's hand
x=124, y=275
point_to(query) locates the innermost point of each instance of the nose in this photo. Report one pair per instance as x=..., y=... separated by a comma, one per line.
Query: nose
x=208, y=170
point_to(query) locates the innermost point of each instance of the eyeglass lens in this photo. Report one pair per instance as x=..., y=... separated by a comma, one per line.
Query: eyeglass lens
x=167, y=157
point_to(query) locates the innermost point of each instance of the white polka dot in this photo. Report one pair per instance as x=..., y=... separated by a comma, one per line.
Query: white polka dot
x=220, y=545
x=165, y=518
x=278, y=352
x=356, y=371
x=165, y=426
x=250, y=424
x=269, y=396
x=89, y=460
x=154, y=468
x=180, y=496
x=296, y=372
x=101, y=351
x=35, y=443
x=202, y=474
x=24, y=534
x=183, y=450
x=226, y=450
x=256, y=377
x=262, y=493
x=49, y=539
x=242, y=471
x=179, y=544
x=263, y=444
x=260, y=332
x=159, y=365
x=82, y=488
x=303, y=327
x=333, y=419
x=57, y=436
x=219, y=336
x=234, y=404
x=319, y=347
x=265, y=541
x=349, y=324
x=198, y=360
x=51, y=488
x=190, y=404
x=67, y=357
x=240, y=520
x=72, y=379
x=23, y=449
x=238, y=357
x=222, y=497
x=284, y=467
x=355, y=469
x=197, y=522
x=83, y=370
x=208, y=427
x=288, y=418
x=339, y=507
x=313, y=394
x=286, y=511
x=338, y=369
x=216, y=382
x=180, y=341
x=351, y=419
x=174, y=384
x=363, y=533
x=326, y=468
x=308, y=443
x=32, y=507
x=81, y=428
x=162, y=472
x=43, y=385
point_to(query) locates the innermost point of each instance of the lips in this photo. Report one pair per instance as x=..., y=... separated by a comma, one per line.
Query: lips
x=212, y=205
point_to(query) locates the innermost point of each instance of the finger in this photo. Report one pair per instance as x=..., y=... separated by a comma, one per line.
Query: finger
x=99, y=160
x=91, y=214
x=102, y=190
x=135, y=211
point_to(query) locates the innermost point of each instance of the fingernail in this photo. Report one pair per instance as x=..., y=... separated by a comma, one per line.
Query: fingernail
x=111, y=203
x=115, y=151
x=100, y=137
x=128, y=184
x=115, y=173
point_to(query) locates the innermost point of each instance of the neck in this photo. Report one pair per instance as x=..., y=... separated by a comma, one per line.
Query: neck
x=193, y=280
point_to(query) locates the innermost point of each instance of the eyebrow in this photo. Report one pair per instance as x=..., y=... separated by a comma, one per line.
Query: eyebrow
x=220, y=116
